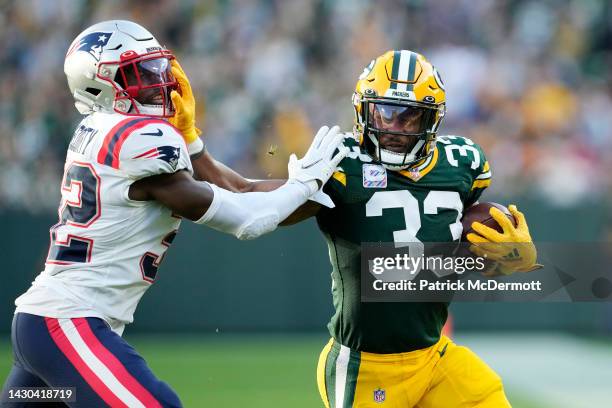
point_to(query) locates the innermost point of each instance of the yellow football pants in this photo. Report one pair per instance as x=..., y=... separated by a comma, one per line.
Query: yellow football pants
x=441, y=376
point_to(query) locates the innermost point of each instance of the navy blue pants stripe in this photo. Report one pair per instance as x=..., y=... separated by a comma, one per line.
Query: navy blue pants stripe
x=40, y=362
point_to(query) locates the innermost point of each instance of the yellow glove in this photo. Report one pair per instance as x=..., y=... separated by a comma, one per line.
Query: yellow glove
x=512, y=249
x=184, y=107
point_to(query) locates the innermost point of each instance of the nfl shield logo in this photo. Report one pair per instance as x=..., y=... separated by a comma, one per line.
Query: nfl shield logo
x=379, y=395
x=415, y=174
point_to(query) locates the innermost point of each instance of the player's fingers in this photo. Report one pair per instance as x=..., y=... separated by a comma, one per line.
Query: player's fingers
x=490, y=247
x=177, y=70
x=178, y=75
x=494, y=250
x=183, y=83
x=182, y=80
x=476, y=250
x=175, y=64
x=342, y=152
x=518, y=216
x=330, y=141
x=334, y=144
x=487, y=232
x=177, y=102
x=502, y=219
x=476, y=239
x=486, y=252
x=316, y=142
x=179, y=81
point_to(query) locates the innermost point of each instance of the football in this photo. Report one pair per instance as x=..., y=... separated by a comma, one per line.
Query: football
x=480, y=213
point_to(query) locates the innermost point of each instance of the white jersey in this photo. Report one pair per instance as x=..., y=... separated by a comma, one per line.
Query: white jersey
x=106, y=248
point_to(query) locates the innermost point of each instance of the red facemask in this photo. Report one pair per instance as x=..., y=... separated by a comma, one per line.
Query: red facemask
x=143, y=83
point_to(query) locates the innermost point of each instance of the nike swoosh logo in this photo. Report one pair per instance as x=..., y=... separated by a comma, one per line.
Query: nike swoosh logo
x=158, y=133
x=311, y=164
x=443, y=351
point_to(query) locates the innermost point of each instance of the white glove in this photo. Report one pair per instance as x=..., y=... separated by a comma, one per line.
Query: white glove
x=319, y=162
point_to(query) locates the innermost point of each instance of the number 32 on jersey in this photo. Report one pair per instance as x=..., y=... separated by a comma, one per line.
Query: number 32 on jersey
x=81, y=208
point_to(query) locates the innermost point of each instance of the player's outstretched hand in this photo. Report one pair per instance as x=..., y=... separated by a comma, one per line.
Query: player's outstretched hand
x=321, y=159
x=184, y=105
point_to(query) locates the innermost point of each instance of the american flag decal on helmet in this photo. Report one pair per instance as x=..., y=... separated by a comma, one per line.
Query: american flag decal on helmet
x=92, y=43
x=169, y=154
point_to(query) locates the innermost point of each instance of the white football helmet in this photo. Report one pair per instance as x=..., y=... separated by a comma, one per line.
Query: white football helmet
x=118, y=66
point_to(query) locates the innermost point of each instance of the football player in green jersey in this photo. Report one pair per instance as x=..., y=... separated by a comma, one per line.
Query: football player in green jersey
x=403, y=183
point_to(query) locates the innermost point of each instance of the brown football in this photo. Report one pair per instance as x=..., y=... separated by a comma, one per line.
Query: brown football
x=480, y=213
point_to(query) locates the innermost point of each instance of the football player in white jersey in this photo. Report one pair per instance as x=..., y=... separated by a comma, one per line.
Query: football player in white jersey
x=128, y=181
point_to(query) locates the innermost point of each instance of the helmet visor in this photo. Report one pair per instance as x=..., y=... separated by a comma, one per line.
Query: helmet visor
x=154, y=71
x=148, y=81
x=398, y=128
x=399, y=119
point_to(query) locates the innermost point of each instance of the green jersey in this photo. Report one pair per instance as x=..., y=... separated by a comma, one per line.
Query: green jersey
x=373, y=204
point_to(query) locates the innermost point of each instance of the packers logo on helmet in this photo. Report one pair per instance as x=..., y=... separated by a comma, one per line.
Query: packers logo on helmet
x=399, y=102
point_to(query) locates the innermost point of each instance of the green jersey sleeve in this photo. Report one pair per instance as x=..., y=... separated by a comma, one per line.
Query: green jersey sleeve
x=337, y=187
x=482, y=178
x=464, y=154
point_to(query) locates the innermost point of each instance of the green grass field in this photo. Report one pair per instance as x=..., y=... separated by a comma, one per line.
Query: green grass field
x=238, y=370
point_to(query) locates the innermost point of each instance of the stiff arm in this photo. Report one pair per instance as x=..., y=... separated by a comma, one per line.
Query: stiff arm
x=206, y=168
x=250, y=214
x=245, y=216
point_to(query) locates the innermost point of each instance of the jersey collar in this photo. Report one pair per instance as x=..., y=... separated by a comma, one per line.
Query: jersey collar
x=417, y=173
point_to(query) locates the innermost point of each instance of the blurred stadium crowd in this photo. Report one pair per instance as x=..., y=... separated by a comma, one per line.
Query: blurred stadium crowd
x=529, y=80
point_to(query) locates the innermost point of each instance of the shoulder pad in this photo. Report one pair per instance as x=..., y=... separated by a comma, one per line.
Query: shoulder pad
x=355, y=154
x=461, y=151
x=143, y=147
x=349, y=140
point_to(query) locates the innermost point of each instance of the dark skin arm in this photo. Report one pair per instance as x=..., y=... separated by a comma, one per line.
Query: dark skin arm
x=206, y=168
x=178, y=191
x=190, y=198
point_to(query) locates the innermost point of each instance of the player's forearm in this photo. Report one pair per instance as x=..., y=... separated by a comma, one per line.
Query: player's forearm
x=253, y=214
x=264, y=185
x=305, y=211
x=250, y=215
x=206, y=168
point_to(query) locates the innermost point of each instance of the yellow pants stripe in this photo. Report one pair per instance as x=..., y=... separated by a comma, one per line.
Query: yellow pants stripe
x=337, y=374
x=322, y=372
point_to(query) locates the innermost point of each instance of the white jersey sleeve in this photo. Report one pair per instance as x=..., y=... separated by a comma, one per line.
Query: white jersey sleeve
x=140, y=148
x=156, y=148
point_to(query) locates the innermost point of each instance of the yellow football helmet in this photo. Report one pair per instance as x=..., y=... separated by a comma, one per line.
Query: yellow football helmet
x=399, y=102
